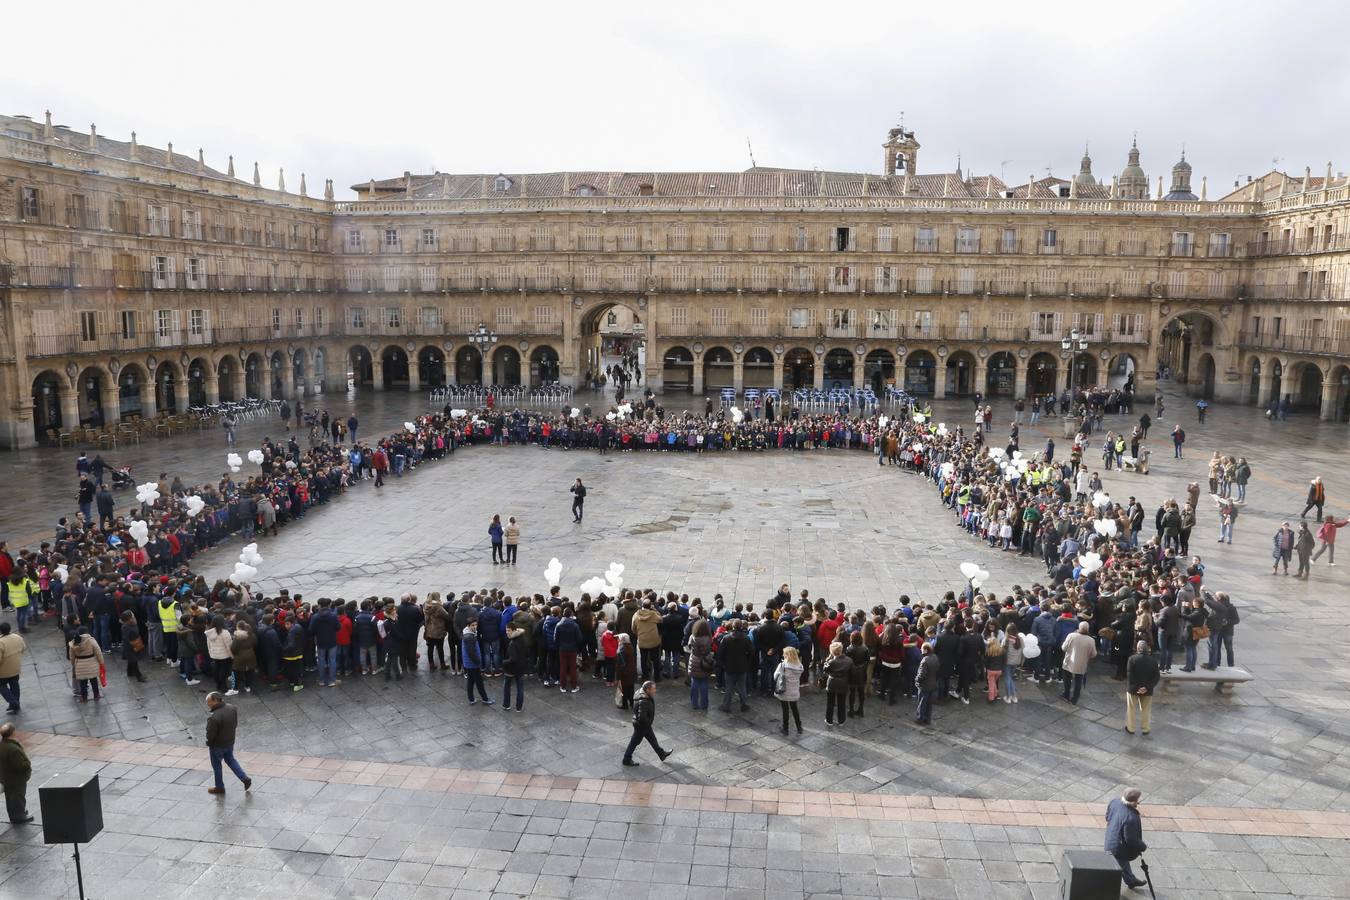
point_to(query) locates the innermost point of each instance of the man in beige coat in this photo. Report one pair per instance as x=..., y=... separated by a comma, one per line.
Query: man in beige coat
x=1079, y=649
x=647, y=635
x=12, y=649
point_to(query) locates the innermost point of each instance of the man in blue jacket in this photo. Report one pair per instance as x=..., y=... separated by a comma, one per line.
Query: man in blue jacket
x=490, y=637
x=1125, y=834
x=473, y=663
x=324, y=627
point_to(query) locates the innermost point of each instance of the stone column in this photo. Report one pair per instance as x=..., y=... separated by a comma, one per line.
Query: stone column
x=377, y=372
x=859, y=372
x=778, y=373
x=180, y=394
x=149, y=400
x=110, y=399
x=414, y=374
x=288, y=380
x=211, y=384
x=1331, y=395
x=818, y=373
x=70, y=407
x=940, y=380
x=240, y=383
x=981, y=382
x=1020, y=379
x=738, y=373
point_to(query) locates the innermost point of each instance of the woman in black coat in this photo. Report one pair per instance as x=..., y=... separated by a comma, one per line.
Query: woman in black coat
x=858, y=653
x=1194, y=618
x=131, y=640
x=969, y=661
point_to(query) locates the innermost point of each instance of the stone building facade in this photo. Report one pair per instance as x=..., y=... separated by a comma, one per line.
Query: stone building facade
x=135, y=280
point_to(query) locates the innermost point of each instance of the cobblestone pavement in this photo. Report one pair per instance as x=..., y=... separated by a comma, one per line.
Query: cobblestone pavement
x=741, y=524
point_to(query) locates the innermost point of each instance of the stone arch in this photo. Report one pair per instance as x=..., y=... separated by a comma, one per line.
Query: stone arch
x=1276, y=375
x=1122, y=371
x=1336, y=397
x=198, y=371
x=431, y=366
x=838, y=368
x=320, y=367
x=1000, y=378
x=719, y=369
x=227, y=374
x=799, y=369
x=468, y=365
x=361, y=365
x=757, y=368
x=90, y=386
x=598, y=340
x=545, y=365
x=677, y=369
x=300, y=371
x=394, y=366
x=276, y=369
x=961, y=374
x=1084, y=371
x=255, y=374
x=47, y=413
x=920, y=373
x=1305, y=384
x=1183, y=336
x=1042, y=375
x=879, y=370
x=132, y=379
x=1205, y=377
x=167, y=378
x=1254, y=379
x=506, y=366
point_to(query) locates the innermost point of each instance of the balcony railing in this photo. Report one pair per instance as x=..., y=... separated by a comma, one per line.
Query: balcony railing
x=967, y=245
x=38, y=213
x=1181, y=249
x=1332, y=291
x=1009, y=246
x=124, y=222
x=1295, y=343
x=82, y=217
x=1132, y=248
x=1280, y=246
x=926, y=245
x=1093, y=247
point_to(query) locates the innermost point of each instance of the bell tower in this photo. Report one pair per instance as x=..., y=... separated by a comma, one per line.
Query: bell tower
x=902, y=152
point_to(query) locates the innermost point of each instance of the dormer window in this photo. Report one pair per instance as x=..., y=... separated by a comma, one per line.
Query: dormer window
x=645, y=190
x=501, y=184
x=585, y=190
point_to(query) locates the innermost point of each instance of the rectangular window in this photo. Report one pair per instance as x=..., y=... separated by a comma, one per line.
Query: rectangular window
x=590, y=278
x=923, y=323
x=503, y=238
x=925, y=240
x=678, y=238
x=759, y=238
x=196, y=322
x=391, y=239
x=679, y=278
x=429, y=319
x=353, y=240
x=542, y=239
x=1006, y=283
x=1277, y=326
x=679, y=315
x=759, y=278
x=630, y=277
x=719, y=278
x=759, y=317
x=159, y=220
x=884, y=280
x=841, y=322
x=718, y=238
x=802, y=240
x=391, y=278
x=967, y=240
x=467, y=316
x=31, y=203
x=1004, y=321
x=427, y=278
x=1176, y=284
x=1046, y=324
x=965, y=281
x=841, y=278
x=129, y=329
x=196, y=273
x=1217, y=284
x=164, y=324
x=1220, y=245
x=843, y=239
x=628, y=238
x=353, y=278
x=506, y=278
x=1047, y=281
x=1091, y=243
x=318, y=320
x=89, y=325
x=590, y=238
x=719, y=316
x=803, y=279
x=543, y=277
x=543, y=315
x=801, y=318
x=192, y=224
x=393, y=317
x=1008, y=241
x=923, y=281
x=885, y=238
x=298, y=318
x=1181, y=243
x=1050, y=240
x=161, y=271
x=881, y=323
x=276, y=319
x=428, y=238
x=356, y=318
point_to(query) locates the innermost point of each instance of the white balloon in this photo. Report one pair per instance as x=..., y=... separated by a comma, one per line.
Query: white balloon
x=194, y=505
x=594, y=586
x=233, y=460
x=1031, y=651
x=609, y=417
x=234, y=468
x=575, y=412
x=458, y=413
x=737, y=415
x=553, y=574
x=920, y=418
x=409, y=426
x=969, y=569
x=255, y=457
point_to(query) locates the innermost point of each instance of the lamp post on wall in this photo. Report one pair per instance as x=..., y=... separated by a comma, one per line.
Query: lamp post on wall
x=1070, y=346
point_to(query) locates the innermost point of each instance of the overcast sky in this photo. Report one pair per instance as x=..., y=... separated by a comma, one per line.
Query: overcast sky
x=359, y=90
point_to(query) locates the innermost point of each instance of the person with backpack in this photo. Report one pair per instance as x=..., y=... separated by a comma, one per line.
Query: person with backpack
x=1178, y=438
x=702, y=666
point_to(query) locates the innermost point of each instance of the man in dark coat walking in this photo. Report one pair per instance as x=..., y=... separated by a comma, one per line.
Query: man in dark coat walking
x=15, y=770
x=221, y=726
x=644, y=714
x=1125, y=834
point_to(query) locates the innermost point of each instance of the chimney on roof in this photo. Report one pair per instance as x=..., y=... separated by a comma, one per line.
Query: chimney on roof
x=1115, y=186
x=1204, y=187
x=445, y=186
x=230, y=170
x=328, y=189
x=168, y=156
x=201, y=161
x=47, y=128
x=1160, y=193
x=281, y=180
x=257, y=176
x=1307, y=179
x=1031, y=185
x=370, y=192
x=93, y=137
x=304, y=192
x=132, y=153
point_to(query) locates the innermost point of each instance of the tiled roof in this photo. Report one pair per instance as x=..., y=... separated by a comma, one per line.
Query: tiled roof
x=63, y=135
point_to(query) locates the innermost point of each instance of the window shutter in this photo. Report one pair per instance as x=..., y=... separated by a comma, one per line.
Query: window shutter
x=1097, y=323
x=1115, y=323
x=1059, y=323
x=1076, y=322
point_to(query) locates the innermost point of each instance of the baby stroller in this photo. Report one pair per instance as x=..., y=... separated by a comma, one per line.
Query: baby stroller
x=121, y=477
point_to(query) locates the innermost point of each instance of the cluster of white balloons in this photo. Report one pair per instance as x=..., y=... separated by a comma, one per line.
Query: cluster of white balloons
x=736, y=415
x=1013, y=467
x=458, y=413
x=194, y=505
x=625, y=410
x=140, y=532
x=255, y=457
x=1101, y=500
x=974, y=574
x=609, y=585
x=920, y=418
x=409, y=426
x=234, y=461
x=1105, y=527
x=1090, y=562
x=575, y=413
x=148, y=492
x=1031, y=646
x=247, y=568
x=553, y=574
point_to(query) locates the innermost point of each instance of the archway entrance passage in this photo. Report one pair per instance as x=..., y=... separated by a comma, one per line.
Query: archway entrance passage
x=361, y=365
x=506, y=367
x=227, y=373
x=960, y=374
x=254, y=373
x=1120, y=372
x=298, y=373
x=1000, y=378
x=1254, y=381
x=1182, y=340
x=431, y=367
x=89, y=388
x=1084, y=372
x=1276, y=381
x=838, y=369
x=1337, y=406
x=1205, y=377
x=677, y=369
x=320, y=368
x=47, y=404
x=468, y=365
x=613, y=333
x=799, y=369
x=394, y=362
x=276, y=367
x=129, y=382
x=879, y=370
x=757, y=368
x=1042, y=375
x=920, y=369
x=1306, y=385
x=197, y=370
x=544, y=366
x=719, y=369
x=166, y=378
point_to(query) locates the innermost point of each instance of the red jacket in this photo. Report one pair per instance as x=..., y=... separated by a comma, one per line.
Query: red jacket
x=380, y=462
x=344, y=635
x=826, y=631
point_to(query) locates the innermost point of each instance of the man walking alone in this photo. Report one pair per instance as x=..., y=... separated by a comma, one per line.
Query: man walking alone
x=221, y=726
x=1125, y=834
x=644, y=714
x=578, y=500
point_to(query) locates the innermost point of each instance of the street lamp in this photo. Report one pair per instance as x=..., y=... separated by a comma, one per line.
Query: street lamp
x=483, y=338
x=1071, y=345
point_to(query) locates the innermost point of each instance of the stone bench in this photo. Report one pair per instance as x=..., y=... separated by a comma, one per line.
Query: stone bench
x=1217, y=677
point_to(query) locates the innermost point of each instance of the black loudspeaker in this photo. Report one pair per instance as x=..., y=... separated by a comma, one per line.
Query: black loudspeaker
x=72, y=809
x=1089, y=875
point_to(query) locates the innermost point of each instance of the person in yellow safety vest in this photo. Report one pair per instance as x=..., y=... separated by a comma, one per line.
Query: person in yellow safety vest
x=22, y=590
x=963, y=497
x=168, y=622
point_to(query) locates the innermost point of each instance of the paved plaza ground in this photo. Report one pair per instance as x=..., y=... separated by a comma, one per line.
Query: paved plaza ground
x=405, y=791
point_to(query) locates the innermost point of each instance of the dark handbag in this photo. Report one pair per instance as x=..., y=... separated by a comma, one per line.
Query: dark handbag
x=137, y=645
x=1199, y=632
